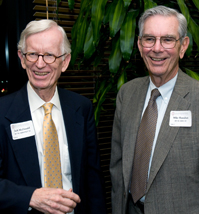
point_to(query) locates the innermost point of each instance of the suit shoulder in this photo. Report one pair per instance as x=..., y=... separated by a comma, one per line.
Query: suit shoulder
x=73, y=100
x=134, y=83
x=188, y=82
x=73, y=95
x=7, y=100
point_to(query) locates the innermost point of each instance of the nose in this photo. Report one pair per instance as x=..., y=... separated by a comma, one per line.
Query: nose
x=40, y=62
x=157, y=46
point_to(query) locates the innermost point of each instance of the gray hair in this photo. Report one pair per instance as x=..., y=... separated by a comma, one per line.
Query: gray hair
x=164, y=11
x=34, y=27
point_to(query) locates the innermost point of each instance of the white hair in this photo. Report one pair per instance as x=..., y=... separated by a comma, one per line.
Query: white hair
x=164, y=11
x=34, y=27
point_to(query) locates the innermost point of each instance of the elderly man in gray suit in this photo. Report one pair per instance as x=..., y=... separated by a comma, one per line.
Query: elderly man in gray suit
x=155, y=159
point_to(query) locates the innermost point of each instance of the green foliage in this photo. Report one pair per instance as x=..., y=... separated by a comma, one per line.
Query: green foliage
x=149, y=4
x=127, y=3
x=115, y=56
x=113, y=24
x=100, y=101
x=196, y=2
x=97, y=15
x=192, y=74
x=121, y=80
x=89, y=47
x=116, y=16
x=71, y=4
x=127, y=34
x=192, y=26
x=190, y=48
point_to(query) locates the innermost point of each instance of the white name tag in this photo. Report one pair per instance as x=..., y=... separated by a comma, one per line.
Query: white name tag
x=180, y=119
x=22, y=130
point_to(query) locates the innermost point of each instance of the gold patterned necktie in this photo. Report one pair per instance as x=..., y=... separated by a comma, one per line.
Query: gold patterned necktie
x=143, y=148
x=52, y=164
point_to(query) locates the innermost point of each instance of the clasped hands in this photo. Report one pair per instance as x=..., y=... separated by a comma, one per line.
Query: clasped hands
x=54, y=201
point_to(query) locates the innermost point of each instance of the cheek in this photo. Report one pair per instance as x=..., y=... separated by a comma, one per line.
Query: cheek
x=175, y=55
x=144, y=54
x=56, y=72
x=28, y=68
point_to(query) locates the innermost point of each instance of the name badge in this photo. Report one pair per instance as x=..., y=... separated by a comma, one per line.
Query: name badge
x=22, y=130
x=180, y=119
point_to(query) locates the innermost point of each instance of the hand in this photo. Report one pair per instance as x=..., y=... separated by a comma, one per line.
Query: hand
x=54, y=201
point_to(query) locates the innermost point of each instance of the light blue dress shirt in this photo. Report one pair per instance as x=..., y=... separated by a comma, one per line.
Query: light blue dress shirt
x=162, y=103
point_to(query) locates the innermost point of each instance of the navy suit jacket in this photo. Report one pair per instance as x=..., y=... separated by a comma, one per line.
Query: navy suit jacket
x=19, y=166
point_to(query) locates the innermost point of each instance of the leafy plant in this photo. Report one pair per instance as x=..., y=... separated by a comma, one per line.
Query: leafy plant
x=105, y=26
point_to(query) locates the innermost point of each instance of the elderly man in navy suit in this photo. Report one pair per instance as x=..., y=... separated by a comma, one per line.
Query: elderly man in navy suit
x=44, y=51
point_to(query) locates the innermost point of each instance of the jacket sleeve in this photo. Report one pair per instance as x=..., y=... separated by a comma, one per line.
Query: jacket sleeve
x=96, y=193
x=14, y=198
x=85, y=158
x=116, y=161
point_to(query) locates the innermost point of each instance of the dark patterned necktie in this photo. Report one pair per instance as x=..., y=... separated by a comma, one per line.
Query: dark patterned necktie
x=143, y=148
x=52, y=164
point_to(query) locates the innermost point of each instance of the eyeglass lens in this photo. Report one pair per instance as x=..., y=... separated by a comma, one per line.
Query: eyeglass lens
x=166, y=42
x=33, y=57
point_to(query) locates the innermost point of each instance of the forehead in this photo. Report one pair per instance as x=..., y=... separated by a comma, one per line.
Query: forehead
x=161, y=25
x=49, y=41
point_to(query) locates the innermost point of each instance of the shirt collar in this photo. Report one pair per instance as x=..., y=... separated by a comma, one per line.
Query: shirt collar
x=166, y=89
x=36, y=102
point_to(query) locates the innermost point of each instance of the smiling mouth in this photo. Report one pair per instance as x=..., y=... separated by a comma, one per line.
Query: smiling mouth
x=41, y=74
x=157, y=59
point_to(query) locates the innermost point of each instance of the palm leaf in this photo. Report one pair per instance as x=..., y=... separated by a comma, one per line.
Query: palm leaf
x=71, y=4
x=89, y=48
x=192, y=26
x=127, y=34
x=149, y=4
x=116, y=17
x=192, y=74
x=127, y=3
x=122, y=79
x=190, y=48
x=196, y=2
x=107, y=12
x=97, y=15
x=115, y=56
x=99, y=91
x=99, y=105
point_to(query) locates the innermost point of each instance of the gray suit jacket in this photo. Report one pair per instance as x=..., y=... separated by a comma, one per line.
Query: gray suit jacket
x=173, y=186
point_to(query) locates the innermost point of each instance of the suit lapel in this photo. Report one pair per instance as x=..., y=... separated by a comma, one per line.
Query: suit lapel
x=167, y=134
x=24, y=149
x=135, y=105
x=74, y=125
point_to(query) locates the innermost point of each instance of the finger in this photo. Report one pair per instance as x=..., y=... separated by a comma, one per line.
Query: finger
x=61, y=207
x=72, y=196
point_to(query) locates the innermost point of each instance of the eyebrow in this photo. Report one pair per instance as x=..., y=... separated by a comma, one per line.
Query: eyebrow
x=167, y=35
x=42, y=53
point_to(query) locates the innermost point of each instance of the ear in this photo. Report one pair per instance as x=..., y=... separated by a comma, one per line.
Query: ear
x=139, y=46
x=66, y=62
x=20, y=55
x=184, y=47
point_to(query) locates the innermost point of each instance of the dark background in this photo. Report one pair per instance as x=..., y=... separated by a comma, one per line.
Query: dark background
x=14, y=16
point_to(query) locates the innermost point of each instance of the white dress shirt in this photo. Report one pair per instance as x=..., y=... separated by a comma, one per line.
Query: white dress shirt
x=37, y=113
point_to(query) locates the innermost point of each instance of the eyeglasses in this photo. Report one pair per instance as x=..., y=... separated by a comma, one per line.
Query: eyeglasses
x=166, y=41
x=47, y=58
